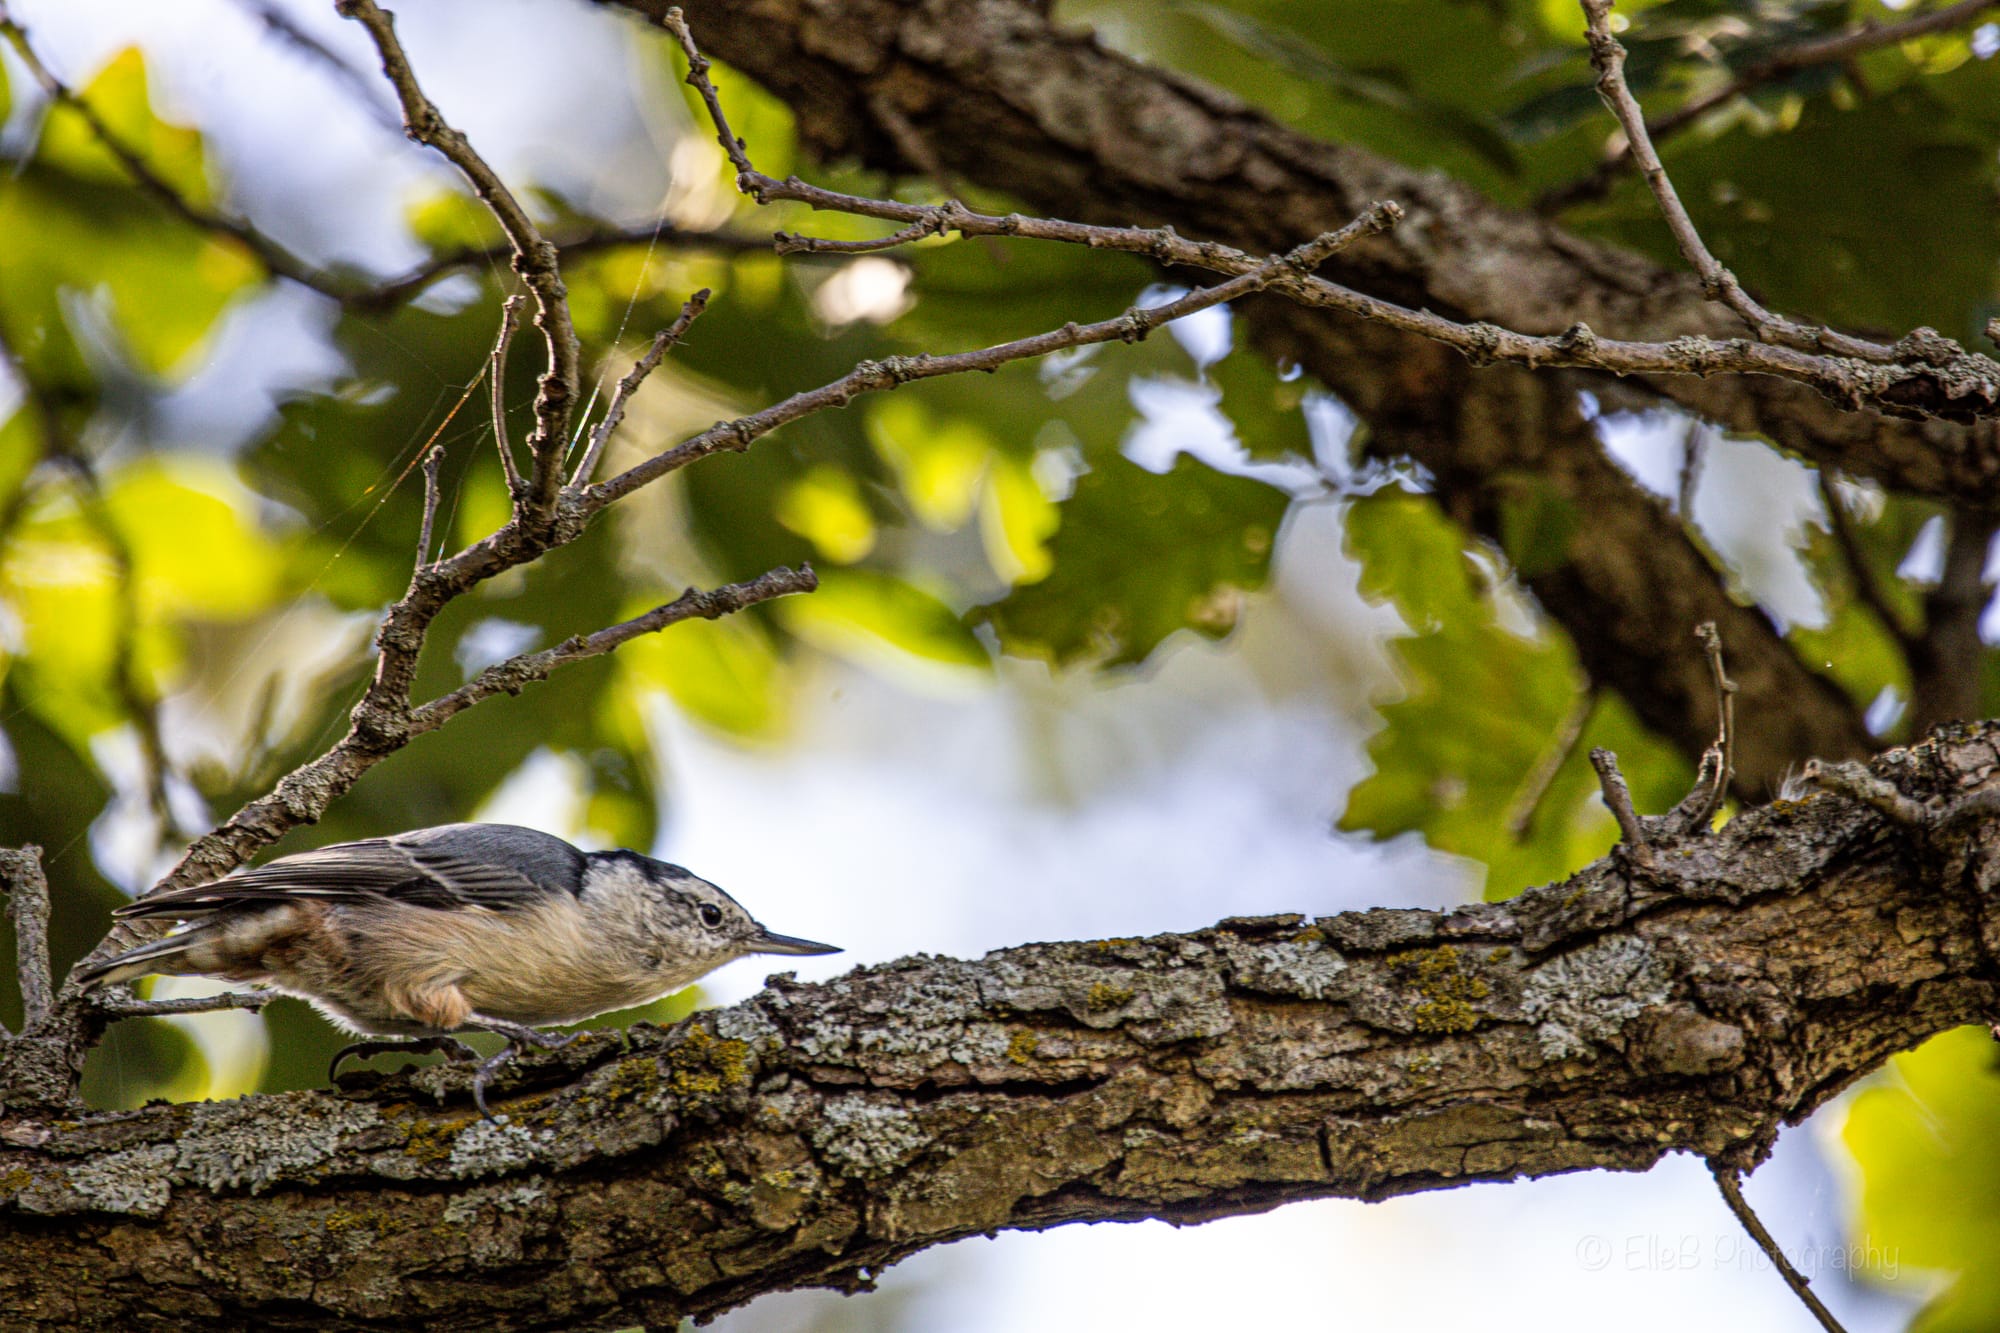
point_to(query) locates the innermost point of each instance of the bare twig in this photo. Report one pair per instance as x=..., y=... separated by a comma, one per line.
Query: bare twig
x=1536, y=785
x=116, y=1002
x=614, y=413
x=1732, y=1194
x=1840, y=48
x=281, y=262
x=432, y=462
x=1856, y=783
x=356, y=81
x=591, y=240
x=1618, y=797
x=1608, y=56
x=28, y=907
x=872, y=376
x=1933, y=377
x=496, y=374
x=1724, y=748
x=535, y=259
x=510, y=676
x=1694, y=448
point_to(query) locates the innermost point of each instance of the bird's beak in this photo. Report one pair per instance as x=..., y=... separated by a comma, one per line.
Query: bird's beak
x=769, y=943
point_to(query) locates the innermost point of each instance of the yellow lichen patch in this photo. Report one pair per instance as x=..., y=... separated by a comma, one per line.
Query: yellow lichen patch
x=1449, y=988
x=1104, y=996
x=634, y=1080
x=704, y=1064
x=432, y=1140
x=1021, y=1046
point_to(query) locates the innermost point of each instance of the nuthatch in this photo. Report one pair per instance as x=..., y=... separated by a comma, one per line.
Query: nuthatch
x=463, y=927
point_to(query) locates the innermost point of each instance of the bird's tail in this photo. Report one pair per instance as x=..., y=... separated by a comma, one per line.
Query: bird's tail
x=161, y=956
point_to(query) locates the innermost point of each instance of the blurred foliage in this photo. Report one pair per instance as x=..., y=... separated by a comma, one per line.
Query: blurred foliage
x=1927, y=1133
x=224, y=598
x=1486, y=752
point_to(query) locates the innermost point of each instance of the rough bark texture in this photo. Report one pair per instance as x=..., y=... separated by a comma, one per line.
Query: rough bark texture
x=992, y=92
x=1691, y=996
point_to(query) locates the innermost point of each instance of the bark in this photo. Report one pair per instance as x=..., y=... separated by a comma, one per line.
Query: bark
x=1689, y=995
x=990, y=91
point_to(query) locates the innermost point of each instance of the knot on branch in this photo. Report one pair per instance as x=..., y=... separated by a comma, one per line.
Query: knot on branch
x=1928, y=346
x=1577, y=340
x=1482, y=343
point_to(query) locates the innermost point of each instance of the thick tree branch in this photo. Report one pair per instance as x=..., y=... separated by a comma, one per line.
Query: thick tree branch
x=1011, y=101
x=814, y=1134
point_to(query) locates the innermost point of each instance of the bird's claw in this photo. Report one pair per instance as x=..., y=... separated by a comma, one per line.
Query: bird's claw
x=517, y=1035
x=450, y=1047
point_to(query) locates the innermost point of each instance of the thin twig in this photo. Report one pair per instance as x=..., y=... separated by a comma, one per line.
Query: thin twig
x=1853, y=780
x=1717, y=282
x=1694, y=448
x=1867, y=586
x=510, y=676
x=1840, y=48
x=591, y=240
x=1732, y=1194
x=28, y=907
x=1724, y=747
x=356, y=81
x=665, y=339
x=116, y=1003
x=432, y=462
x=1618, y=797
x=892, y=372
x=496, y=373
x=535, y=259
x=1536, y=785
x=1933, y=377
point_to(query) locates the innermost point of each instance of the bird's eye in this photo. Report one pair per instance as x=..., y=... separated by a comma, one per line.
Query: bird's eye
x=711, y=915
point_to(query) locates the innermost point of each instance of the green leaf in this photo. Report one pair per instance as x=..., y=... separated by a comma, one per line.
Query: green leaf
x=1926, y=1135
x=1279, y=45
x=119, y=97
x=1488, y=704
x=826, y=507
x=452, y=220
x=1139, y=556
x=939, y=463
x=880, y=620
x=724, y=673
x=196, y=548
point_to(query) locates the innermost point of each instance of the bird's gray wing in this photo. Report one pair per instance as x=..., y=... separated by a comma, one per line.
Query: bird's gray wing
x=495, y=866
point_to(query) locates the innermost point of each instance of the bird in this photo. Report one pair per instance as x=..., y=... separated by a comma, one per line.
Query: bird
x=457, y=928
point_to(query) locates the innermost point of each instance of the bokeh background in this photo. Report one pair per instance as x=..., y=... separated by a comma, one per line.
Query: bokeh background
x=1122, y=642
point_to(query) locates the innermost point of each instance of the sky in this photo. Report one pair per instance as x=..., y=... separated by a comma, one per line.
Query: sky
x=1031, y=806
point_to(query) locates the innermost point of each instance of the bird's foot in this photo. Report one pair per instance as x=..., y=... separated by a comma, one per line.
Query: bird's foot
x=451, y=1047
x=517, y=1035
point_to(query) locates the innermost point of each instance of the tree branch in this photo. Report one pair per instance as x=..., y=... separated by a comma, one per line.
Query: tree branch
x=535, y=259
x=1091, y=133
x=1835, y=49
x=28, y=908
x=512, y=675
x=1608, y=56
x=815, y=1134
